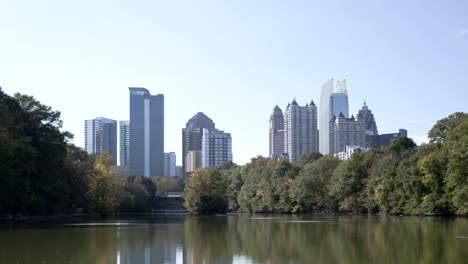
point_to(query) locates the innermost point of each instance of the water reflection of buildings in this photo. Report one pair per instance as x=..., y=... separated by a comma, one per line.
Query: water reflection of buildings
x=147, y=243
x=168, y=243
x=174, y=255
x=150, y=254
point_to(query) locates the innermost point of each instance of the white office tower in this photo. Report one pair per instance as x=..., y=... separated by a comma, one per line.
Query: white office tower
x=300, y=130
x=216, y=147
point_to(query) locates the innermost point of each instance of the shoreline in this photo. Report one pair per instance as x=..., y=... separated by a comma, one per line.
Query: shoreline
x=19, y=219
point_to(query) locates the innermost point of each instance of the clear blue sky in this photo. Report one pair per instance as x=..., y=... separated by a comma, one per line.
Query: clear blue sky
x=235, y=60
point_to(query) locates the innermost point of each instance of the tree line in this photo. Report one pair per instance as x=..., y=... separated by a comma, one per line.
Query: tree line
x=41, y=173
x=403, y=178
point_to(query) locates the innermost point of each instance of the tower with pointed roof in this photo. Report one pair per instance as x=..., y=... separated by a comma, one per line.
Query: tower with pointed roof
x=370, y=126
x=366, y=115
x=300, y=130
x=192, y=134
x=276, y=133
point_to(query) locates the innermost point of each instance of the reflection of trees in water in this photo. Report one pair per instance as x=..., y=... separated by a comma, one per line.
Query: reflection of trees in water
x=342, y=240
x=59, y=245
x=206, y=240
x=283, y=239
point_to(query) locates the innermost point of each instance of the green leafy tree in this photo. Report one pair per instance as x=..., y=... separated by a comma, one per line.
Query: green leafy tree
x=16, y=156
x=402, y=143
x=309, y=158
x=256, y=177
x=457, y=172
x=411, y=189
x=433, y=166
x=205, y=192
x=77, y=171
x=310, y=189
x=277, y=192
x=347, y=183
x=104, y=187
x=168, y=184
x=439, y=131
x=235, y=182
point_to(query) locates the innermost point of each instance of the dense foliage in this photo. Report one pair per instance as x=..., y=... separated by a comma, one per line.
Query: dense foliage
x=41, y=173
x=399, y=179
x=205, y=192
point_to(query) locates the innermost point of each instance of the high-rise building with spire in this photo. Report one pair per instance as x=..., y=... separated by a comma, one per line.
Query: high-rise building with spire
x=370, y=126
x=366, y=115
x=276, y=134
x=300, y=130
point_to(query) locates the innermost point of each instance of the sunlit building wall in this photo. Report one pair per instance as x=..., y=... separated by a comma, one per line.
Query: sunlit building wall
x=300, y=130
x=100, y=136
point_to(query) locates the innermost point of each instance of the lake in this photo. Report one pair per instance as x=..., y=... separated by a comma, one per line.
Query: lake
x=239, y=239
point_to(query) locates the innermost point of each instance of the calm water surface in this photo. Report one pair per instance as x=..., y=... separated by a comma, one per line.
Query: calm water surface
x=239, y=239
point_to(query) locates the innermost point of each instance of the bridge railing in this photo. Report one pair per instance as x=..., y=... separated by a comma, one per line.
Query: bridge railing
x=170, y=194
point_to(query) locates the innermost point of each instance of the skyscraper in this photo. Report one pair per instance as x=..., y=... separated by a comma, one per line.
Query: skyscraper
x=327, y=90
x=124, y=143
x=193, y=160
x=333, y=102
x=101, y=135
x=178, y=170
x=276, y=136
x=300, y=130
x=339, y=100
x=216, y=147
x=346, y=132
x=192, y=135
x=365, y=115
x=170, y=164
x=146, y=133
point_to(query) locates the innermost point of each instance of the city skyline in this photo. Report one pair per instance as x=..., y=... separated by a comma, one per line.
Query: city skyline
x=234, y=61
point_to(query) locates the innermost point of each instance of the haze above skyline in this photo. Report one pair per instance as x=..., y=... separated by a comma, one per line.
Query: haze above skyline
x=236, y=60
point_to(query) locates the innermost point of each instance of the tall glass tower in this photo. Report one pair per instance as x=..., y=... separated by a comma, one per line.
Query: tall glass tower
x=325, y=117
x=339, y=100
x=101, y=135
x=146, y=133
x=333, y=102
